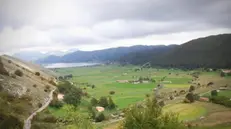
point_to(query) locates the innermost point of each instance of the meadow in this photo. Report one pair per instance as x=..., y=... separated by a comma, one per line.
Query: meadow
x=105, y=80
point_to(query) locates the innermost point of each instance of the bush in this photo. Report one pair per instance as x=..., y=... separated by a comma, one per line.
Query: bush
x=73, y=98
x=222, y=100
x=103, y=102
x=161, y=103
x=191, y=88
x=37, y=73
x=147, y=95
x=34, y=85
x=3, y=71
x=19, y=73
x=40, y=105
x=99, y=117
x=111, y=104
x=56, y=104
x=190, y=97
x=94, y=101
x=214, y=93
x=222, y=74
x=112, y=92
x=9, y=61
x=10, y=122
x=93, y=86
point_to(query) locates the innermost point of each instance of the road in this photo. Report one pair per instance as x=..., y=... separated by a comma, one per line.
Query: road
x=27, y=122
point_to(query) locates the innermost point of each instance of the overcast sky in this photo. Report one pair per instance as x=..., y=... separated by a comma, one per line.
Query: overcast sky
x=49, y=25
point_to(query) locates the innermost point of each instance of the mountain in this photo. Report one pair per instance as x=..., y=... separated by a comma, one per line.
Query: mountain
x=35, y=55
x=212, y=51
x=112, y=54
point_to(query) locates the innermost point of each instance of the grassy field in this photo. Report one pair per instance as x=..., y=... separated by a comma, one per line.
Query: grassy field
x=187, y=112
x=105, y=79
x=226, y=93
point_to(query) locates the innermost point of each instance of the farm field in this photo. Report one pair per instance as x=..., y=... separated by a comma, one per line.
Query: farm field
x=116, y=78
x=105, y=79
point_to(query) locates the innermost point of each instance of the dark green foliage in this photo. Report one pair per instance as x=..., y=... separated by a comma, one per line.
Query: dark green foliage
x=37, y=73
x=112, y=92
x=196, y=96
x=150, y=117
x=103, y=102
x=161, y=103
x=94, y=102
x=190, y=97
x=56, y=104
x=19, y=73
x=99, y=117
x=191, y=88
x=214, y=93
x=92, y=110
x=73, y=97
x=111, y=104
x=222, y=100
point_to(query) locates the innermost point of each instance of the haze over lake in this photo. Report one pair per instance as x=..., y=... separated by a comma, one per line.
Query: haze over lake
x=68, y=65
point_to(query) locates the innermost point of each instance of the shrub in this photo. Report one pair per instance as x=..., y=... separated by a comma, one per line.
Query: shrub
x=40, y=105
x=73, y=97
x=191, y=88
x=222, y=100
x=34, y=85
x=93, y=86
x=9, y=61
x=147, y=95
x=52, y=82
x=111, y=104
x=37, y=73
x=190, y=97
x=10, y=122
x=19, y=73
x=161, y=103
x=222, y=74
x=3, y=71
x=50, y=119
x=103, y=102
x=99, y=117
x=214, y=93
x=112, y=92
x=94, y=101
x=56, y=104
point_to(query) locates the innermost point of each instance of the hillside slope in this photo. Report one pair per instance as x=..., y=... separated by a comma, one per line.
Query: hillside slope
x=212, y=51
x=21, y=90
x=112, y=54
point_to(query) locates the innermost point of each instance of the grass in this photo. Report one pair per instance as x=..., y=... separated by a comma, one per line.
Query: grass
x=186, y=111
x=226, y=93
x=105, y=77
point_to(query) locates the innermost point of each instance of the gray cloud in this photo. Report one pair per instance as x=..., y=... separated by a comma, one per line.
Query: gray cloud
x=78, y=22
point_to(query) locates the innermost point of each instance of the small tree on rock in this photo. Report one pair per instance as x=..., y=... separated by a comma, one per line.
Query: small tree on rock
x=103, y=102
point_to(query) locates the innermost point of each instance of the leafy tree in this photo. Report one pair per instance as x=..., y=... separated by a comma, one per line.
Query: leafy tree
x=214, y=93
x=103, y=101
x=150, y=117
x=94, y=101
x=73, y=119
x=191, y=88
x=111, y=104
x=73, y=97
x=190, y=97
x=99, y=117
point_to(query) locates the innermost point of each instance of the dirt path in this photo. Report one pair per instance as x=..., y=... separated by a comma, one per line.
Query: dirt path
x=27, y=123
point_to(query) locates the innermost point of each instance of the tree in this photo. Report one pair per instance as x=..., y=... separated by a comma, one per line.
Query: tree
x=103, y=102
x=73, y=97
x=99, y=117
x=191, y=88
x=73, y=119
x=111, y=104
x=214, y=93
x=150, y=117
x=190, y=97
x=37, y=73
x=94, y=101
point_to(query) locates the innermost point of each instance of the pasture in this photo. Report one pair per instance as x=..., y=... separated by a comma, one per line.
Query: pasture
x=105, y=79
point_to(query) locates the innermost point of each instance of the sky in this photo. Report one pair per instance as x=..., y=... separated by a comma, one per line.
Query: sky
x=60, y=25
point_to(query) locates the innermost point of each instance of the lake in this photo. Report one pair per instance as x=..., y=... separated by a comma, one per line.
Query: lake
x=68, y=65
